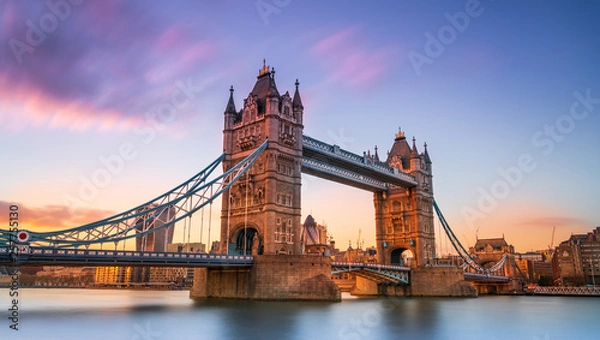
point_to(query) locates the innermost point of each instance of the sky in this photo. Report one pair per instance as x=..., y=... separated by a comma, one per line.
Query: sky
x=505, y=93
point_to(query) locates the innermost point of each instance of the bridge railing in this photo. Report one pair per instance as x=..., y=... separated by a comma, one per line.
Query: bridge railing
x=354, y=158
x=586, y=291
x=485, y=277
x=311, y=163
x=370, y=266
x=61, y=253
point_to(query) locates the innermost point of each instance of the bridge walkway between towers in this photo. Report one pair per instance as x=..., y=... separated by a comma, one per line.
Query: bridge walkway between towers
x=333, y=163
x=61, y=257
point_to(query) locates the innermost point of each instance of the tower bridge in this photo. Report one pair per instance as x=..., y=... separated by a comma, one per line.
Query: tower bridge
x=265, y=152
x=264, y=208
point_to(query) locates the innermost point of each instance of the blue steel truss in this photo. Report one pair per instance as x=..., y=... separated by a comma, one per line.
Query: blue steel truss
x=55, y=256
x=486, y=277
x=375, y=272
x=333, y=163
x=463, y=253
x=169, y=208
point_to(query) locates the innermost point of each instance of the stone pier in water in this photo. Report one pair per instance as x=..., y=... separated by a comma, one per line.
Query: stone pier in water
x=273, y=277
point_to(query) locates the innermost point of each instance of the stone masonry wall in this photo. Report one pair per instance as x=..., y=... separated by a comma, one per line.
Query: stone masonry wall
x=294, y=277
x=273, y=277
x=440, y=282
x=229, y=283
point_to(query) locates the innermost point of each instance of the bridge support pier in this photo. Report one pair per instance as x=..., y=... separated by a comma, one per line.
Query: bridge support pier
x=365, y=287
x=440, y=282
x=273, y=277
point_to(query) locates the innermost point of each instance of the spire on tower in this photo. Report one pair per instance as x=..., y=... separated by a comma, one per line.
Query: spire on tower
x=297, y=102
x=376, y=156
x=426, y=154
x=231, y=104
x=414, y=152
x=400, y=134
x=265, y=69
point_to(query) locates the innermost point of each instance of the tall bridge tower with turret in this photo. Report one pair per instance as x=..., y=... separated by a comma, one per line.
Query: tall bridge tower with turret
x=404, y=215
x=261, y=212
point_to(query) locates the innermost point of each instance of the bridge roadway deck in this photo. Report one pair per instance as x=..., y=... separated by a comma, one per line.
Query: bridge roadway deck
x=567, y=291
x=331, y=162
x=52, y=256
x=376, y=272
x=56, y=256
x=485, y=278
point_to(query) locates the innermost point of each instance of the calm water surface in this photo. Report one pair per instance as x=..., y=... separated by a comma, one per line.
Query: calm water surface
x=154, y=315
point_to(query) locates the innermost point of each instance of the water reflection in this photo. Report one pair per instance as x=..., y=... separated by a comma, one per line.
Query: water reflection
x=154, y=315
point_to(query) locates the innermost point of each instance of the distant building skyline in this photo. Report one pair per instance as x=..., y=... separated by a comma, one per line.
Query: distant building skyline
x=577, y=260
x=157, y=240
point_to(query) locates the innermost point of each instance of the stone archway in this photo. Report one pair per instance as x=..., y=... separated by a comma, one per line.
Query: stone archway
x=246, y=241
x=401, y=257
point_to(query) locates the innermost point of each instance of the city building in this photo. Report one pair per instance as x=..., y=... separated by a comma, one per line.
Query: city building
x=535, y=268
x=358, y=255
x=577, y=260
x=56, y=276
x=159, y=239
x=491, y=251
x=113, y=275
x=192, y=247
x=491, y=246
x=314, y=238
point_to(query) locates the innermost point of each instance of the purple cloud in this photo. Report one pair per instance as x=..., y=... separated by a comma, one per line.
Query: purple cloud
x=351, y=60
x=104, y=61
x=53, y=217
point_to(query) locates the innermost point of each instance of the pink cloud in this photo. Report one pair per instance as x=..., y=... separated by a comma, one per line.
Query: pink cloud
x=168, y=39
x=21, y=109
x=53, y=217
x=101, y=71
x=8, y=17
x=351, y=60
x=188, y=57
x=554, y=221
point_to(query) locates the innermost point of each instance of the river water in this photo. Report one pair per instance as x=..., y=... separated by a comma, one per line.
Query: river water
x=152, y=315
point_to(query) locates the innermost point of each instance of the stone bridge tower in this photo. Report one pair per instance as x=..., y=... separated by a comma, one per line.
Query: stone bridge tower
x=404, y=216
x=261, y=211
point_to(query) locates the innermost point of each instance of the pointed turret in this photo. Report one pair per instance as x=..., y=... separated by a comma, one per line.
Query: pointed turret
x=376, y=157
x=297, y=102
x=231, y=104
x=426, y=154
x=265, y=87
x=414, y=153
x=400, y=152
x=415, y=159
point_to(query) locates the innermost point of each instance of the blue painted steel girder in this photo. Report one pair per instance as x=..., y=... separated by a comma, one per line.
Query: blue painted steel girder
x=376, y=272
x=486, y=277
x=341, y=175
x=335, y=156
x=58, y=256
